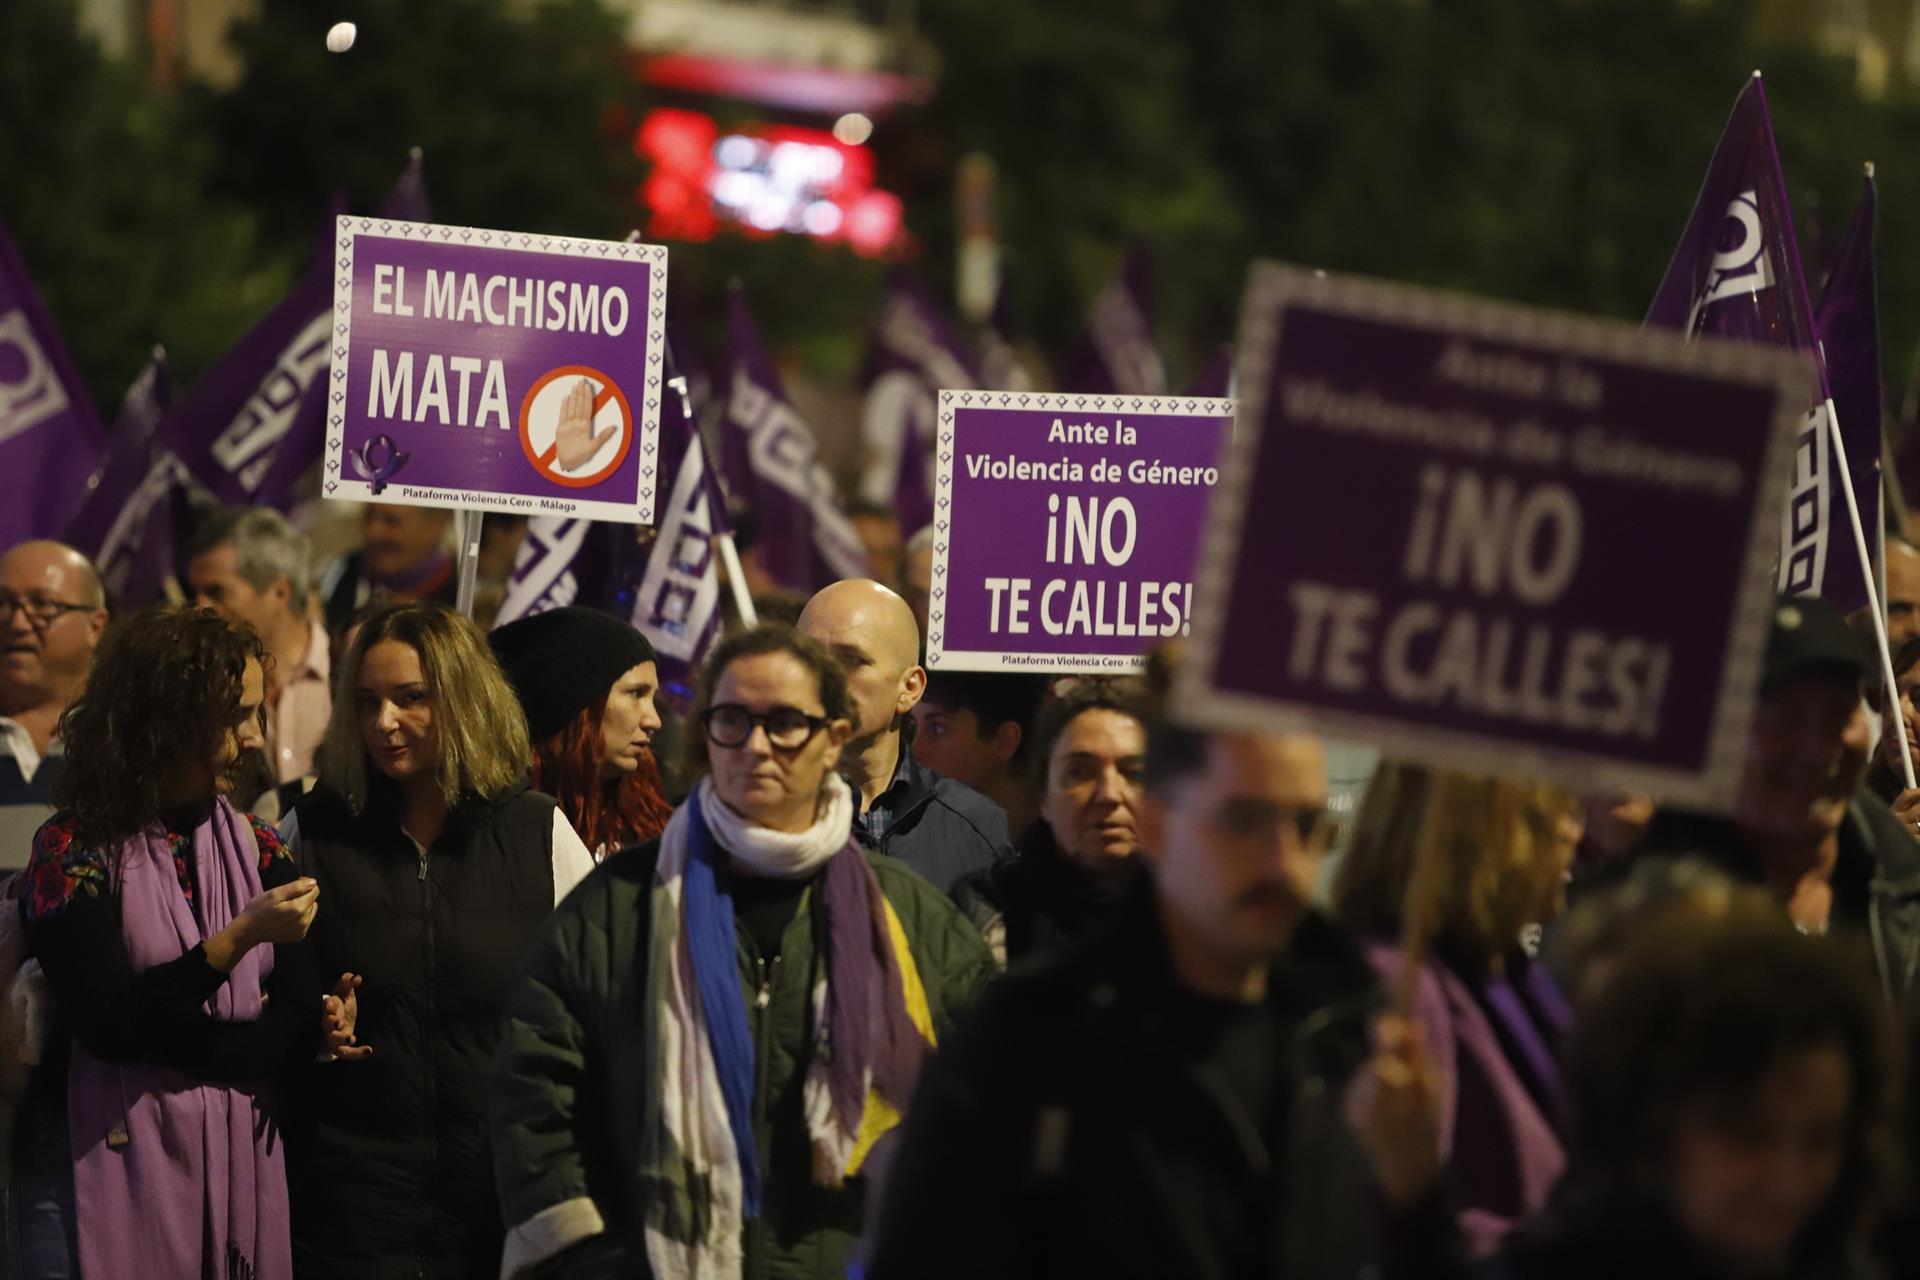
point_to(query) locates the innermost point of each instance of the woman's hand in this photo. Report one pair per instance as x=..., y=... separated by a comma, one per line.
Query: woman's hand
x=1399, y=1125
x=278, y=915
x=339, y=1012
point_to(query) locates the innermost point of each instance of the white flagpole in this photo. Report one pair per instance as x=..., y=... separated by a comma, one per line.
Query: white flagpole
x=466, y=525
x=1867, y=577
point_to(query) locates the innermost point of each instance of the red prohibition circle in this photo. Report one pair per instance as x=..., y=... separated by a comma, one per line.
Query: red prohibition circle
x=546, y=464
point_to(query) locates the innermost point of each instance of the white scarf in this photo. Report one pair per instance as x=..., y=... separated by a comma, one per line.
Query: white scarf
x=782, y=855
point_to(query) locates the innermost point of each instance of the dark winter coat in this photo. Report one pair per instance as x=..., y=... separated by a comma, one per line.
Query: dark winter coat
x=390, y=1172
x=1059, y=1135
x=572, y=1074
x=1038, y=903
x=941, y=828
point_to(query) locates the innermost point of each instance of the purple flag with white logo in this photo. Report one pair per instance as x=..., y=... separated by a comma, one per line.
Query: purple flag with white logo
x=1736, y=274
x=49, y=433
x=804, y=539
x=257, y=420
x=1118, y=355
x=132, y=519
x=913, y=353
x=1848, y=322
x=562, y=561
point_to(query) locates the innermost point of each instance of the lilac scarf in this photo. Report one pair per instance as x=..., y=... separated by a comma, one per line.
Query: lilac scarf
x=176, y=1179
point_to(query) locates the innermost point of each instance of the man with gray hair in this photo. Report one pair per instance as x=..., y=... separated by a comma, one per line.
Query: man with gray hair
x=249, y=565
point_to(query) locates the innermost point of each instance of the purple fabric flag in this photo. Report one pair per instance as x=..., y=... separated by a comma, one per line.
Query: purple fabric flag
x=804, y=539
x=256, y=421
x=669, y=584
x=1848, y=323
x=561, y=561
x=131, y=521
x=1118, y=355
x=1736, y=274
x=50, y=437
x=913, y=353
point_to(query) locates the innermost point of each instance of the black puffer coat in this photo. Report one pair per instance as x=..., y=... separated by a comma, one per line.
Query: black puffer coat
x=390, y=1171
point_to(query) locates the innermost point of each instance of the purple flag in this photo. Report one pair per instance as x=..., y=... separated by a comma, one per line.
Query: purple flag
x=1118, y=355
x=669, y=587
x=49, y=432
x=913, y=353
x=1848, y=322
x=256, y=421
x=1736, y=274
x=804, y=539
x=132, y=519
x=561, y=561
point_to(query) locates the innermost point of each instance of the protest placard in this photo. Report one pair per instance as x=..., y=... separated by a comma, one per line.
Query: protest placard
x=1492, y=537
x=1066, y=527
x=496, y=370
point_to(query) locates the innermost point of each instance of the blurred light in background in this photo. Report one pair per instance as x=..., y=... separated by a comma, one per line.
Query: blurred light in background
x=853, y=129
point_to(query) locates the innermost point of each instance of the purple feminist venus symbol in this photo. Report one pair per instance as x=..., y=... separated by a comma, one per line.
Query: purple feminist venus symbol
x=379, y=472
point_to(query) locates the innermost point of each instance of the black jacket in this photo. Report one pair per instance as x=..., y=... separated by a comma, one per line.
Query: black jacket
x=941, y=828
x=1058, y=1134
x=1876, y=880
x=390, y=1172
x=1038, y=903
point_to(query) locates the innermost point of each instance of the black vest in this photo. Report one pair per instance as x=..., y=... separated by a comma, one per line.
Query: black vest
x=390, y=1171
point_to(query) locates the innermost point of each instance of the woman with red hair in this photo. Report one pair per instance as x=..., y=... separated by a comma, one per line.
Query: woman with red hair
x=587, y=681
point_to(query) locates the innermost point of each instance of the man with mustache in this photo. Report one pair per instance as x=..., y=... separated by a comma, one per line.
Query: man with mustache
x=1802, y=825
x=1161, y=1100
x=52, y=611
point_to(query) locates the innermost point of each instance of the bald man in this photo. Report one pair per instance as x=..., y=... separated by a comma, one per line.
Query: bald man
x=52, y=611
x=941, y=828
x=1903, y=592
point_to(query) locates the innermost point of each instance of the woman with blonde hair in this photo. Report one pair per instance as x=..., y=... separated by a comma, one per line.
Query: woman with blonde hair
x=1480, y=861
x=437, y=864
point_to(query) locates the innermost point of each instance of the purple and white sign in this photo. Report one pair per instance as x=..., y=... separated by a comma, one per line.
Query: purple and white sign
x=496, y=370
x=1492, y=537
x=1066, y=527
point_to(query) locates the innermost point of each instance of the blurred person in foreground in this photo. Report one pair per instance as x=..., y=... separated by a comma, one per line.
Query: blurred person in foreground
x=1493, y=1020
x=1728, y=1084
x=1077, y=862
x=1832, y=853
x=53, y=610
x=977, y=727
x=941, y=828
x=438, y=865
x=713, y=1032
x=1161, y=1100
x=251, y=566
x=169, y=927
x=403, y=557
x=587, y=683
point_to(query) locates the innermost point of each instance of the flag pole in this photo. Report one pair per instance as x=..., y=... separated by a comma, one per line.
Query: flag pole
x=466, y=524
x=1867, y=575
x=723, y=540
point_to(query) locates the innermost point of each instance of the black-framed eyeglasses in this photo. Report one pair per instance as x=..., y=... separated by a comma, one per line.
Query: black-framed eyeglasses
x=38, y=608
x=787, y=728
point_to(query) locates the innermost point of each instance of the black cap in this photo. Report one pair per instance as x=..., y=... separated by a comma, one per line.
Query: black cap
x=565, y=660
x=1810, y=637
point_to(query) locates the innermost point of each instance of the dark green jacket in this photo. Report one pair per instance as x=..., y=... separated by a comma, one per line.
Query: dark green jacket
x=570, y=1080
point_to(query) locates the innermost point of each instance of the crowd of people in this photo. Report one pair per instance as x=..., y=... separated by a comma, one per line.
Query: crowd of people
x=343, y=937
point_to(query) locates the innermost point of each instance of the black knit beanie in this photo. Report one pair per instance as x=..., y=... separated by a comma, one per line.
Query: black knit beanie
x=565, y=660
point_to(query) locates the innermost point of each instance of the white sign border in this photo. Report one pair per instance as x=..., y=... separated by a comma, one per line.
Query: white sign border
x=1271, y=288
x=338, y=487
x=941, y=658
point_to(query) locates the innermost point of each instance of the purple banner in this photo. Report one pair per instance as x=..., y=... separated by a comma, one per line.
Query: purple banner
x=1848, y=322
x=49, y=433
x=1563, y=565
x=914, y=352
x=1067, y=527
x=130, y=520
x=497, y=370
x=803, y=538
x=1119, y=356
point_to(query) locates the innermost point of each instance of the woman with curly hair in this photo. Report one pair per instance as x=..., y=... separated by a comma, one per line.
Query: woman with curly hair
x=439, y=865
x=169, y=927
x=587, y=682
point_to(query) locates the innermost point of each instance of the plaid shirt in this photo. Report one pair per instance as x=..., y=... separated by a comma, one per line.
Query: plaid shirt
x=873, y=824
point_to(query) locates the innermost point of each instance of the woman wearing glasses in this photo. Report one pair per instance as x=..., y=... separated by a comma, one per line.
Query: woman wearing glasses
x=437, y=865
x=1077, y=859
x=1496, y=859
x=713, y=1031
